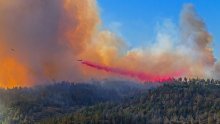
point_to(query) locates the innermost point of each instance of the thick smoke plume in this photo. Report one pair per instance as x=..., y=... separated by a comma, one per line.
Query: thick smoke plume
x=41, y=39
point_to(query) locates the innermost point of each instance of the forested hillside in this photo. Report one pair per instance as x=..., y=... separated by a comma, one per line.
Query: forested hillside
x=195, y=101
x=177, y=101
x=28, y=105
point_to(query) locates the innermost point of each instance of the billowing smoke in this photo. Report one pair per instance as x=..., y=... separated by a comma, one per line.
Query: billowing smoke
x=186, y=48
x=196, y=38
x=41, y=39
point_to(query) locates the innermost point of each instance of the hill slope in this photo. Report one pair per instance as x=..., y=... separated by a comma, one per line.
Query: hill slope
x=178, y=102
x=28, y=105
x=111, y=101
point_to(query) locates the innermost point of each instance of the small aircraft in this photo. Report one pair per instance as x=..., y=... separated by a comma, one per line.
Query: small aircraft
x=12, y=49
x=80, y=60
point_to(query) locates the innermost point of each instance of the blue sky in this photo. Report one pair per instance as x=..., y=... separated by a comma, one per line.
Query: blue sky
x=135, y=20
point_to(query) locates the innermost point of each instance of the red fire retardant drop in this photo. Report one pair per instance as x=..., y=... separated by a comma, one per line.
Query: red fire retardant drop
x=141, y=76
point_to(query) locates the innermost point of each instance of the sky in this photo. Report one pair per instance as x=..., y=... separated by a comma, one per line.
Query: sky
x=136, y=20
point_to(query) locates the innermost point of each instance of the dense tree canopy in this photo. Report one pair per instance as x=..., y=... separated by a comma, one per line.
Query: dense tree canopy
x=182, y=100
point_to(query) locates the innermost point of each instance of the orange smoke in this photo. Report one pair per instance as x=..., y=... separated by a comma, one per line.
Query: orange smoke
x=83, y=19
x=39, y=39
x=13, y=72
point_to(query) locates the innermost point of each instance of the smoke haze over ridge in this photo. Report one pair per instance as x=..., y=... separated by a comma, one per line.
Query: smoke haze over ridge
x=40, y=41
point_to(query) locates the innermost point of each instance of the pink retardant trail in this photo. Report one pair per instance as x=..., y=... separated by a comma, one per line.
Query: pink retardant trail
x=141, y=76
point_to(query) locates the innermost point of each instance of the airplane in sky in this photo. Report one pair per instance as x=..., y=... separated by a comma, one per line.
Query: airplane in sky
x=80, y=60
